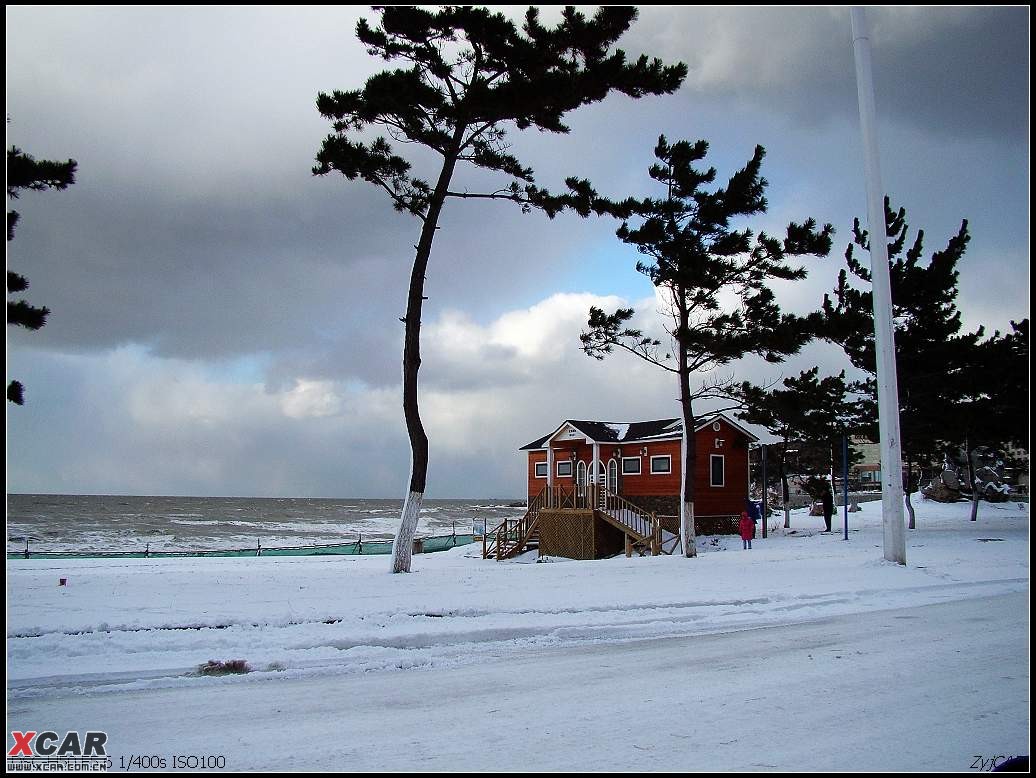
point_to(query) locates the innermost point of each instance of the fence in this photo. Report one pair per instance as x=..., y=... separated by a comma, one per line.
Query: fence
x=360, y=547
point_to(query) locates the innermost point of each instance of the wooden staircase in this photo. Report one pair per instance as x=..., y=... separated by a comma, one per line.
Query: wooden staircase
x=644, y=533
x=513, y=536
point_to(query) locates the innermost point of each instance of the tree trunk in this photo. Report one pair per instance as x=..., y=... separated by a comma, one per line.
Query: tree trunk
x=687, y=537
x=834, y=491
x=765, y=506
x=403, y=544
x=906, y=494
x=687, y=444
x=784, y=497
x=974, y=486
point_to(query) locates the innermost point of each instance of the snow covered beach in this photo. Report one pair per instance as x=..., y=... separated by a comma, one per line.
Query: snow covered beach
x=465, y=651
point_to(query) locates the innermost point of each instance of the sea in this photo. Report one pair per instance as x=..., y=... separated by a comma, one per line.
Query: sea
x=62, y=522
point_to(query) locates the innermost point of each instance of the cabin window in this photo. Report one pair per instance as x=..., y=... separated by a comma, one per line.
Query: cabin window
x=717, y=466
x=613, y=476
x=581, y=474
x=631, y=465
x=541, y=469
x=661, y=465
x=564, y=469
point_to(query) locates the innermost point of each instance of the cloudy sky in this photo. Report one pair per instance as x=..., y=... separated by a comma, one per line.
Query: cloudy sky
x=225, y=323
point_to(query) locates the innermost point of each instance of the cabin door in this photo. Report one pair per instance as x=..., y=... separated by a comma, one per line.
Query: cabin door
x=601, y=481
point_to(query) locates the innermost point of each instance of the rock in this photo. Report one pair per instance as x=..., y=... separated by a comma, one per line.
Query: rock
x=993, y=492
x=941, y=491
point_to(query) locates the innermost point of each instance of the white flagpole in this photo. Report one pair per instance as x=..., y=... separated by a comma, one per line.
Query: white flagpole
x=884, y=338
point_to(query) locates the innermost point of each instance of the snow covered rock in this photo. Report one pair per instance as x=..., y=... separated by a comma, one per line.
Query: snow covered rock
x=945, y=488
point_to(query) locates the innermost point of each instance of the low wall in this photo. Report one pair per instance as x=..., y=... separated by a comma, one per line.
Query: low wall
x=796, y=501
x=704, y=525
x=667, y=509
x=660, y=505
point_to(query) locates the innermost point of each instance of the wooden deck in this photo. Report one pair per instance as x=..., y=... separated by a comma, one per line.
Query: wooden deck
x=582, y=522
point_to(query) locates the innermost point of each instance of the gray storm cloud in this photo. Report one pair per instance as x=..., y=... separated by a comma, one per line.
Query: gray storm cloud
x=196, y=239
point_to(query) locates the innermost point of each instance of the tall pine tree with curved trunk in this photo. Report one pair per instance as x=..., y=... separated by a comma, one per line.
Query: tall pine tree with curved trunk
x=932, y=353
x=26, y=173
x=715, y=280
x=468, y=74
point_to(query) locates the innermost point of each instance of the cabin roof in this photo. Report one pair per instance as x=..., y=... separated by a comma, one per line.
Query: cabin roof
x=628, y=432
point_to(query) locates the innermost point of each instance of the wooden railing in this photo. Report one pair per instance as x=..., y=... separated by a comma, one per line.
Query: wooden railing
x=644, y=524
x=511, y=535
x=559, y=496
x=597, y=497
x=579, y=497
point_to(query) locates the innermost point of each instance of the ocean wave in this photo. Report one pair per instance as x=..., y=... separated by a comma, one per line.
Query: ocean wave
x=89, y=523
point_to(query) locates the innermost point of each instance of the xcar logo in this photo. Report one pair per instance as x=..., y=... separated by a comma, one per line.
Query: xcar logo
x=86, y=753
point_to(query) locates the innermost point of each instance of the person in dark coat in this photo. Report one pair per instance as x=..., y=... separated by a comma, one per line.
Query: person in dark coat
x=747, y=527
x=829, y=506
x=755, y=513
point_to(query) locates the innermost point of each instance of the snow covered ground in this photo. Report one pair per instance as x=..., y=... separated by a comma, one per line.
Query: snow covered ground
x=802, y=653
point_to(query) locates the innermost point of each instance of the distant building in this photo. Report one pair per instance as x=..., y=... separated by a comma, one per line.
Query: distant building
x=867, y=472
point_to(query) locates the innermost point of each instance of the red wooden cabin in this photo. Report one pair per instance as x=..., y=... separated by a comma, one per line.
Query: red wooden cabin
x=623, y=479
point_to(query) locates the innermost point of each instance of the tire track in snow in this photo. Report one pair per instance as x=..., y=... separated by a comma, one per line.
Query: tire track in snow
x=407, y=641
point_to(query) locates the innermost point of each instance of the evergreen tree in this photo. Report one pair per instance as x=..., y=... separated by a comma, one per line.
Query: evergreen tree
x=699, y=261
x=932, y=353
x=1010, y=366
x=809, y=416
x=996, y=400
x=25, y=172
x=993, y=413
x=467, y=75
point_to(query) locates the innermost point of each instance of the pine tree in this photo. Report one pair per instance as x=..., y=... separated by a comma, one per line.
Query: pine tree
x=809, y=416
x=694, y=257
x=25, y=172
x=993, y=413
x=1009, y=363
x=932, y=353
x=469, y=74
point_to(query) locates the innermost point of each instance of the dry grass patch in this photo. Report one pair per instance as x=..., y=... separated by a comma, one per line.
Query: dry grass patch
x=224, y=667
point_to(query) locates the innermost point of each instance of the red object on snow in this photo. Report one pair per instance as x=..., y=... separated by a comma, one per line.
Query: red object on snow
x=747, y=526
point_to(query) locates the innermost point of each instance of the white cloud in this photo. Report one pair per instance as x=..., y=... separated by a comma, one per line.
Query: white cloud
x=311, y=400
x=518, y=347
x=179, y=427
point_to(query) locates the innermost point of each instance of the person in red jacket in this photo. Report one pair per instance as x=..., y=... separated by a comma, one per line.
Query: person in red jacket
x=747, y=527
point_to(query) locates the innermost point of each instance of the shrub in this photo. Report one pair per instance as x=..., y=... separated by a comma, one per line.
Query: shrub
x=228, y=667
